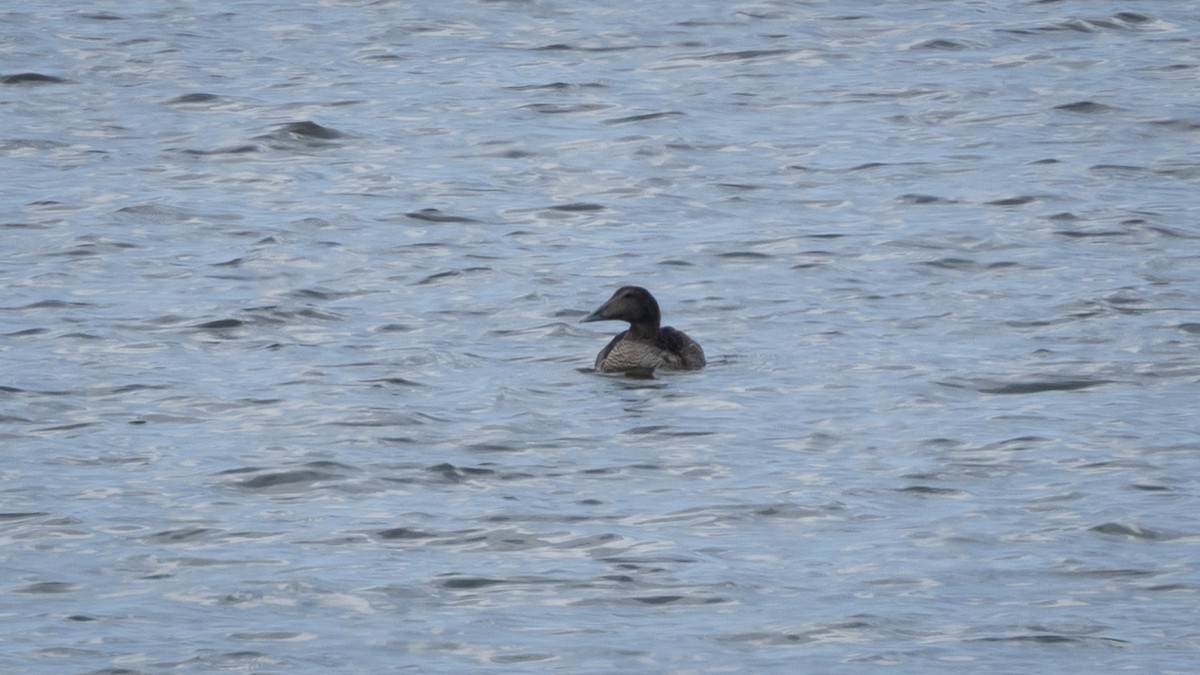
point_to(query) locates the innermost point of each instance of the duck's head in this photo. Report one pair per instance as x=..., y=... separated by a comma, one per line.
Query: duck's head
x=630, y=303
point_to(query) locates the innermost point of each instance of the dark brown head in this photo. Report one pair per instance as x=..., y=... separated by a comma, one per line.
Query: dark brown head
x=633, y=304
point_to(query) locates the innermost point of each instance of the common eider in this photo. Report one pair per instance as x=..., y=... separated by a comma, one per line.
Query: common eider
x=646, y=345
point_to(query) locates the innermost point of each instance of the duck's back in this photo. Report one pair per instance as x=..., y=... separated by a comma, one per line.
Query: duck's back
x=672, y=349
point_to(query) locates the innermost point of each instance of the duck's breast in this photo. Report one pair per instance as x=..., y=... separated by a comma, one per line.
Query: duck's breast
x=624, y=353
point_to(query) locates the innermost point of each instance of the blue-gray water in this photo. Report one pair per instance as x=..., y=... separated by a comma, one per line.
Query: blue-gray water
x=291, y=378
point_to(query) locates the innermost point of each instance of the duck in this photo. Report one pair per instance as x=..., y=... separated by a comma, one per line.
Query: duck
x=646, y=345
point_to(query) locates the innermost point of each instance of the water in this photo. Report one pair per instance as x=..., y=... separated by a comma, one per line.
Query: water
x=292, y=379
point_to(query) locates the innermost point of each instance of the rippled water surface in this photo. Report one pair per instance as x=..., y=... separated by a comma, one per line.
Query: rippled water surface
x=292, y=379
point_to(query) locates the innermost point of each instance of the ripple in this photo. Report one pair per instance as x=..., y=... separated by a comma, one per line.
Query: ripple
x=941, y=44
x=461, y=583
x=198, y=97
x=744, y=55
x=1085, y=107
x=310, y=129
x=182, y=535
x=49, y=588
x=1131, y=531
x=304, y=135
x=1020, y=200
x=577, y=207
x=1052, y=639
x=31, y=78
x=644, y=117
x=565, y=108
x=437, y=216
x=924, y=199
x=1029, y=386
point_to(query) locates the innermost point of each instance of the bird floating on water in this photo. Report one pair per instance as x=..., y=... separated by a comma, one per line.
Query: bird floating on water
x=646, y=345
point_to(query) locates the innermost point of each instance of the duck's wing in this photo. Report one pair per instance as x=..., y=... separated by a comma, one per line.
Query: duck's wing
x=690, y=353
x=693, y=355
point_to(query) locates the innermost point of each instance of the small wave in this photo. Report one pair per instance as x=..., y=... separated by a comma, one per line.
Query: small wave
x=198, y=97
x=1033, y=386
x=940, y=44
x=301, y=135
x=438, y=216
x=1131, y=531
x=643, y=118
x=1085, y=107
x=31, y=78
